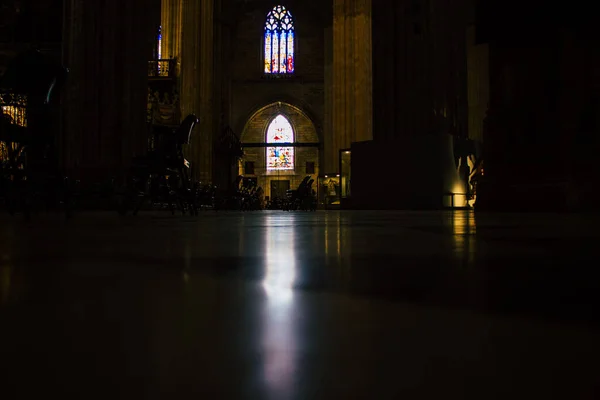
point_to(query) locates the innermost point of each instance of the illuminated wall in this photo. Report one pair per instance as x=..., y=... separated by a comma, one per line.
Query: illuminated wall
x=272, y=123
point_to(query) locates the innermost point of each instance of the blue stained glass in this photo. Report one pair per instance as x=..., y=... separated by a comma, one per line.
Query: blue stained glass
x=159, y=44
x=279, y=41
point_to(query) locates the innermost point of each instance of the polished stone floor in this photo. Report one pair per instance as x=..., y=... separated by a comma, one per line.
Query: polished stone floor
x=276, y=305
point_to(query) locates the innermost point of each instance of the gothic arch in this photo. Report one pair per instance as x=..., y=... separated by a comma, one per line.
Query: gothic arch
x=285, y=100
x=256, y=124
x=274, y=160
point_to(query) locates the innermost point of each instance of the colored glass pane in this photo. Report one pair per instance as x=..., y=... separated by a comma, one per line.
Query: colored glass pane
x=283, y=52
x=279, y=41
x=159, y=44
x=268, y=51
x=280, y=131
x=280, y=158
x=290, y=53
x=275, y=59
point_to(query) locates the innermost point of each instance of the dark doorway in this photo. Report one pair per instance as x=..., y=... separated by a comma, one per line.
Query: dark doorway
x=279, y=188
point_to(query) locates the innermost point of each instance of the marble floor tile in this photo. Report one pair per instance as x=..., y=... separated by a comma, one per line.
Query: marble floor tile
x=276, y=305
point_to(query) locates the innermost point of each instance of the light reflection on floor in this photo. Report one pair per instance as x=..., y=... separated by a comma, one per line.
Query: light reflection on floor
x=464, y=228
x=278, y=328
x=277, y=305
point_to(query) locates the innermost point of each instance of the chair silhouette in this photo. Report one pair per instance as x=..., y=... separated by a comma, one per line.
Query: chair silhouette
x=169, y=160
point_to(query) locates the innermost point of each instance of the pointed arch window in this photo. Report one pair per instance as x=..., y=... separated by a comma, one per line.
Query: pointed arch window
x=279, y=42
x=280, y=131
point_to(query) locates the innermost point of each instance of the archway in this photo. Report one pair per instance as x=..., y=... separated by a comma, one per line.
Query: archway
x=281, y=148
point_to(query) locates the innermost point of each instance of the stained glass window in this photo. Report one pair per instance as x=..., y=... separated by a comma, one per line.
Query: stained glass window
x=279, y=42
x=159, y=44
x=280, y=131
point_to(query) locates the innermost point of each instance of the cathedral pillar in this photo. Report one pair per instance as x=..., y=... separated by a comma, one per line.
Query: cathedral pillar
x=190, y=74
x=197, y=82
x=327, y=164
x=171, y=22
x=339, y=78
x=107, y=46
x=352, y=75
x=206, y=128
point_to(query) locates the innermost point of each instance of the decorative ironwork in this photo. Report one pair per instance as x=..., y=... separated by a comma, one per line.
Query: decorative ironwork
x=13, y=107
x=161, y=68
x=13, y=112
x=163, y=108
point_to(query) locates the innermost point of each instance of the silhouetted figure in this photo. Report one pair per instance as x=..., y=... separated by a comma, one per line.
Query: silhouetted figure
x=464, y=172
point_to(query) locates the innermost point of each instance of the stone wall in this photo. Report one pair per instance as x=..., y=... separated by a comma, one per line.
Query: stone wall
x=251, y=89
x=304, y=132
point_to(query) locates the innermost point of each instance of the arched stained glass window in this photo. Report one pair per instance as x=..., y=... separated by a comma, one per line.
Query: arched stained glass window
x=280, y=131
x=279, y=42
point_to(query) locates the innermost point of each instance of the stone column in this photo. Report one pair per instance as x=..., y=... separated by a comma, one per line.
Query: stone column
x=190, y=72
x=363, y=71
x=171, y=22
x=197, y=75
x=327, y=164
x=207, y=126
x=339, y=81
x=352, y=75
x=107, y=46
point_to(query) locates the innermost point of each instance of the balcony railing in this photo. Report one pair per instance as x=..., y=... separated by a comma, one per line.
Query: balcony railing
x=161, y=68
x=12, y=112
x=12, y=108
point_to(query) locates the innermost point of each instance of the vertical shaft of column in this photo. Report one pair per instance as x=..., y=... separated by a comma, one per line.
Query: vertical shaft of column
x=327, y=138
x=105, y=123
x=339, y=80
x=352, y=74
x=349, y=63
x=166, y=26
x=362, y=72
x=206, y=89
x=190, y=58
x=72, y=31
x=176, y=31
x=171, y=20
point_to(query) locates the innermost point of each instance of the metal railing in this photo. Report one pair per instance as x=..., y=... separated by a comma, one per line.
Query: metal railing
x=164, y=68
x=13, y=111
x=13, y=107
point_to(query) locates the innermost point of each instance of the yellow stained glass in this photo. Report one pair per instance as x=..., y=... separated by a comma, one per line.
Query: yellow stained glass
x=268, y=51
